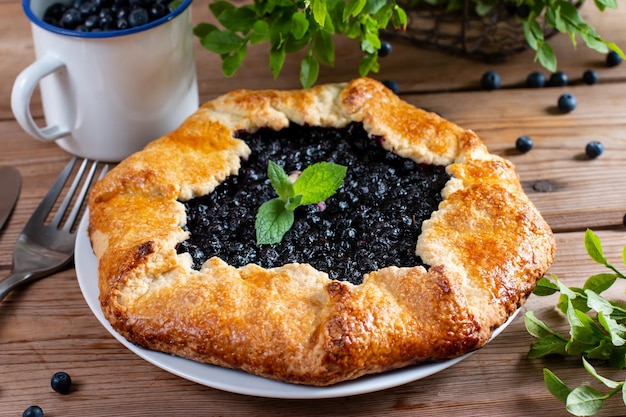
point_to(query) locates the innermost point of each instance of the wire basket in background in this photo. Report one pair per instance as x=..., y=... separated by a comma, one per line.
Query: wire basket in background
x=490, y=38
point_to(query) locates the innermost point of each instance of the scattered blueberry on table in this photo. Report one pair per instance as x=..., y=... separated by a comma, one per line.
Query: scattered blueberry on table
x=558, y=79
x=61, y=382
x=33, y=411
x=590, y=77
x=536, y=80
x=613, y=59
x=594, y=149
x=524, y=144
x=392, y=85
x=566, y=103
x=105, y=15
x=490, y=80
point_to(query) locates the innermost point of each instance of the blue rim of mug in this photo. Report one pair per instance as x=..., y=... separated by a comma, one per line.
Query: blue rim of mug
x=108, y=34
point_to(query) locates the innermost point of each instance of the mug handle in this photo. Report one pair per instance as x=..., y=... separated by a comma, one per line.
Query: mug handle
x=22, y=93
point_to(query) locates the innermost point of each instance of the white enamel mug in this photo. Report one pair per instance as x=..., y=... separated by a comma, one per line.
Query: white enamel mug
x=105, y=95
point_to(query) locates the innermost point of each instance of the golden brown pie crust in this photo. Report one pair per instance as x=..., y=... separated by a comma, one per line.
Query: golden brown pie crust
x=487, y=245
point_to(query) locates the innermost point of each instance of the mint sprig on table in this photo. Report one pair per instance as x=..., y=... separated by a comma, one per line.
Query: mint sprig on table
x=315, y=184
x=597, y=332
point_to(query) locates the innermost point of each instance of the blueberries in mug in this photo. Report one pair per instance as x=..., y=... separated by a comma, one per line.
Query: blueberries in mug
x=138, y=17
x=158, y=10
x=54, y=12
x=71, y=19
x=91, y=22
x=105, y=15
x=88, y=8
x=121, y=24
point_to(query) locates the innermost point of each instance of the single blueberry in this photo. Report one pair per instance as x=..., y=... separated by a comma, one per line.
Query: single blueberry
x=558, y=79
x=524, y=144
x=392, y=85
x=566, y=103
x=490, y=80
x=77, y=3
x=138, y=17
x=385, y=49
x=106, y=11
x=536, y=80
x=158, y=10
x=91, y=22
x=107, y=22
x=123, y=13
x=88, y=8
x=103, y=4
x=594, y=149
x=138, y=3
x=590, y=77
x=55, y=11
x=71, y=18
x=613, y=59
x=33, y=411
x=61, y=382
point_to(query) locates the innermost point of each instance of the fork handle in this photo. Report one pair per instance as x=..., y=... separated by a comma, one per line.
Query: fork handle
x=13, y=280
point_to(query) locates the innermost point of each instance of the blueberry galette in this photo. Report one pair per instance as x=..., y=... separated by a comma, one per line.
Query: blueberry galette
x=427, y=246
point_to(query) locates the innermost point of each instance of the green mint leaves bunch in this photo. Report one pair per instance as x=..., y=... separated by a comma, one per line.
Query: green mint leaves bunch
x=315, y=184
x=597, y=332
x=293, y=25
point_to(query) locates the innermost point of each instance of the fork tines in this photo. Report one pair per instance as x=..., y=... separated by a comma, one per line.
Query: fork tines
x=74, y=196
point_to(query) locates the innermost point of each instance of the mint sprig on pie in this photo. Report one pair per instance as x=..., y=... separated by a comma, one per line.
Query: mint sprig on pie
x=312, y=186
x=469, y=265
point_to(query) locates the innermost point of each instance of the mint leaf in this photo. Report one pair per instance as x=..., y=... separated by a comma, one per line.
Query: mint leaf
x=319, y=181
x=545, y=287
x=315, y=184
x=600, y=282
x=222, y=42
x=594, y=247
x=309, y=71
x=279, y=180
x=584, y=401
x=536, y=327
x=273, y=220
x=555, y=385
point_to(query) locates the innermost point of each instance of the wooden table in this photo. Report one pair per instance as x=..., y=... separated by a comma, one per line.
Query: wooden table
x=46, y=326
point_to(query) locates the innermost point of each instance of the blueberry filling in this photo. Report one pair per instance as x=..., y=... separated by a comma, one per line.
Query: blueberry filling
x=373, y=220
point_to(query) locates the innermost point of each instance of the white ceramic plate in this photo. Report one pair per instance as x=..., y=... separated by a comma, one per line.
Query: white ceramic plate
x=237, y=381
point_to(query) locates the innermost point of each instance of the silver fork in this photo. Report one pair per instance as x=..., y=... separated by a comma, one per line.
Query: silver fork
x=45, y=248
